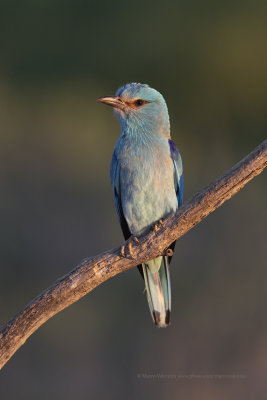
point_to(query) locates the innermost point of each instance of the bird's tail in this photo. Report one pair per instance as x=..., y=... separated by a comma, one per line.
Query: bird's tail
x=158, y=289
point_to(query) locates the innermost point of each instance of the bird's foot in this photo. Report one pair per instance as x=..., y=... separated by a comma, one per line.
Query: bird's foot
x=158, y=225
x=168, y=252
x=122, y=250
x=135, y=239
x=127, y=250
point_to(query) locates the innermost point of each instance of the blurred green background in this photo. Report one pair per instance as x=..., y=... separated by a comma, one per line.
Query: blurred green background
x=209, y=60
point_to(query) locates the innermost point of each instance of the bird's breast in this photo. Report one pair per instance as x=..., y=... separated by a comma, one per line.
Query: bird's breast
x=147, y=185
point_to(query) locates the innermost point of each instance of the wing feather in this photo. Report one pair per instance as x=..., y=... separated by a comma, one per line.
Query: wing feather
x=115, y=180
x=178, y=179
x=178, y=172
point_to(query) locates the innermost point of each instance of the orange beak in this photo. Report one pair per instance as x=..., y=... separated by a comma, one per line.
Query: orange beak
x=113, y=101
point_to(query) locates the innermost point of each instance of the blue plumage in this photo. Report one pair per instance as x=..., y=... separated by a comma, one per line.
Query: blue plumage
x=178, y=172
x=147, y=180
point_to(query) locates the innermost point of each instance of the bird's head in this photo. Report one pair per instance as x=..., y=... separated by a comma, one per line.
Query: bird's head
x=139, y=108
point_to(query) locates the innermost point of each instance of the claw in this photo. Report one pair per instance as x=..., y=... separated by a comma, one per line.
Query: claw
x=169, y=253
x=123, y=251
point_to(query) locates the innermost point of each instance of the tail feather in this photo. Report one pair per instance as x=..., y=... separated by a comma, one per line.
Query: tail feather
x=158, y=289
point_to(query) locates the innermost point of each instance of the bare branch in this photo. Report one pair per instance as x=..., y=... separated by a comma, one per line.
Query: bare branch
x=91, y=272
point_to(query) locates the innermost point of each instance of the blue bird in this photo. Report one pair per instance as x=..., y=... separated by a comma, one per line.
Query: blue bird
x=147, y=180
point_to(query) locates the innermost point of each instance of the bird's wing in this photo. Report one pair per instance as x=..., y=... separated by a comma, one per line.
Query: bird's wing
x=178, y=179
x=116, y=187
x=115, y=180
x=178, y=172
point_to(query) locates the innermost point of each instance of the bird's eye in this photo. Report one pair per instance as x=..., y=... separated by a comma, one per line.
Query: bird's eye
x=139, y=102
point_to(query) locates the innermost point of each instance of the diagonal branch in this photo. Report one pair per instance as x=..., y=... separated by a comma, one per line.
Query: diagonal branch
x=91, y=272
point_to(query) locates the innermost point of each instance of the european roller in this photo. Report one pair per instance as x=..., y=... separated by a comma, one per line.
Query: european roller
x=147, y=180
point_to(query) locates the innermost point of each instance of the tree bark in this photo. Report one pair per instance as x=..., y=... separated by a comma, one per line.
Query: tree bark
x=91, y=272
